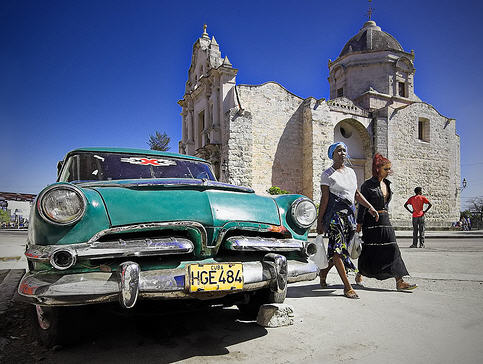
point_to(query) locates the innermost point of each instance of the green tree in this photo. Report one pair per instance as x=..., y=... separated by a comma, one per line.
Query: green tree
x=159, y=141
x=4, y=217
x=274, y=190
x=474, y=210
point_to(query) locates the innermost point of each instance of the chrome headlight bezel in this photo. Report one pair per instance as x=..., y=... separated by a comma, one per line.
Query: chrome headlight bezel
x=68, y=253
x=52, y=189
x=293, y=210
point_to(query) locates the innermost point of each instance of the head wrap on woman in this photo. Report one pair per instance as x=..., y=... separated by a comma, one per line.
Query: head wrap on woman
x=332, y=148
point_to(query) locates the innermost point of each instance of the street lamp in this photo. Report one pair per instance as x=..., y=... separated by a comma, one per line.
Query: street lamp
x=463, y=185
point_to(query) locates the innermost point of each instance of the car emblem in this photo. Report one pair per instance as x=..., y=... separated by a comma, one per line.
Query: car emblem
x=149, y=161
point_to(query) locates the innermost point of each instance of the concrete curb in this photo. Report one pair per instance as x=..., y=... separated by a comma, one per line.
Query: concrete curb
x=8, y=288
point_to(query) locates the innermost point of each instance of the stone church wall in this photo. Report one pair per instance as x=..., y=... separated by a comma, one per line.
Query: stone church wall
x=431, y=164
x=318, y=114
x=237, y=150
x=276, y=134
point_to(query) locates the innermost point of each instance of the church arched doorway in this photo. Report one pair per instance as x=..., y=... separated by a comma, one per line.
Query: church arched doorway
x=359, y=145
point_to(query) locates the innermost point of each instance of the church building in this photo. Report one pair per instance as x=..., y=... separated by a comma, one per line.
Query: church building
x=264, y=135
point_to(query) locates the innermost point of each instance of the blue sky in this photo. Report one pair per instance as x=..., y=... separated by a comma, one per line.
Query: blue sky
x=109, y=73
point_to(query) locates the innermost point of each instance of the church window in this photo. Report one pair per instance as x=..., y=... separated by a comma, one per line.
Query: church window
x=402, y=89
x=340, y=92
x=185, y=129
x=423, y=129
x=201, y=127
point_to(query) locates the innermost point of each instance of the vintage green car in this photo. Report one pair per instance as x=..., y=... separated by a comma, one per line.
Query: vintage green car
x=127, y=224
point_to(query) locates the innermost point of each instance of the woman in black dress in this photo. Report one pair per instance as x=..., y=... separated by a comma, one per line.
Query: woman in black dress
x=380, y=257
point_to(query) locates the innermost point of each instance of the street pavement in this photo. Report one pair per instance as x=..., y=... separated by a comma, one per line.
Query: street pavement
x=12, y=248
x=440, y=322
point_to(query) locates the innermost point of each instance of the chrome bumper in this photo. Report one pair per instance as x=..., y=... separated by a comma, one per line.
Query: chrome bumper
x=130, y=283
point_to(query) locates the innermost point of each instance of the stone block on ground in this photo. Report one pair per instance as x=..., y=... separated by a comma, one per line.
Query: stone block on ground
x=275, y=315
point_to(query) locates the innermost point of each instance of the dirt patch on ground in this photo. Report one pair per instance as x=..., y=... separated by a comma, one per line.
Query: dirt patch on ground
x=17, y=341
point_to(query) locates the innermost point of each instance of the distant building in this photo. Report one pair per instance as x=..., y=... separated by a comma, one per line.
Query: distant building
x=264, y=135
x=18, y=206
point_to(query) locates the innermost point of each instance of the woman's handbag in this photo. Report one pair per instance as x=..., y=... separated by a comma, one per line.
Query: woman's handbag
x=355, y=246
x=320, y=257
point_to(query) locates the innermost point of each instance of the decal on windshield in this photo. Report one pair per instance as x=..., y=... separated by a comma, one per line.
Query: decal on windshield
x=149, y=161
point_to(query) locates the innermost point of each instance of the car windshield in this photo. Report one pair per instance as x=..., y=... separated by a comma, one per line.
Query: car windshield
x=86, y=166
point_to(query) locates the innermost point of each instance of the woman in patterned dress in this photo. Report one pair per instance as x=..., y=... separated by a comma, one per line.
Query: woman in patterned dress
x=337, y=214
x=380, y=257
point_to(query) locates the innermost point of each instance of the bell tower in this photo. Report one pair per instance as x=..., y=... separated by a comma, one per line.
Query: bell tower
x=373, y=70
x=208, y=95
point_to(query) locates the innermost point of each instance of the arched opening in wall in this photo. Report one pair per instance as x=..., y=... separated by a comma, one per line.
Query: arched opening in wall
x=404, y=70
x=359, y=146
x=337, y=82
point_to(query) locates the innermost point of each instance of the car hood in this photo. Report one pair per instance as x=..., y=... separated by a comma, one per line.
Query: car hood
x=207, y=202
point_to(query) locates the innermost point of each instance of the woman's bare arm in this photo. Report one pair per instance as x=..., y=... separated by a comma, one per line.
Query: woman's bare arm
x=359, y=197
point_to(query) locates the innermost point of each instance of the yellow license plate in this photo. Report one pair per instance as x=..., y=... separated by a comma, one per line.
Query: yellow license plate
x=215, y=277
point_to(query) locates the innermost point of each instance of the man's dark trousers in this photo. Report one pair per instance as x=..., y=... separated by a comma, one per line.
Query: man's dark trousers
x=418, y=227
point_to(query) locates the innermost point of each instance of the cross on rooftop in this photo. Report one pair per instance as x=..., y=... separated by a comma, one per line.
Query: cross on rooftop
x=370, y=10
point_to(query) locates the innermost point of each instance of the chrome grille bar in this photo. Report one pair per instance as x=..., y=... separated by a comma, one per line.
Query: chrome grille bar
x=115, y=249
x=247, y=243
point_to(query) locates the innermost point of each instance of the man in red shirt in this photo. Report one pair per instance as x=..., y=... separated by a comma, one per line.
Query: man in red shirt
x=417, y=202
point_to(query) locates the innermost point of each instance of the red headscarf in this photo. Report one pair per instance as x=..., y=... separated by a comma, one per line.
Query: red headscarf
x=377, y=163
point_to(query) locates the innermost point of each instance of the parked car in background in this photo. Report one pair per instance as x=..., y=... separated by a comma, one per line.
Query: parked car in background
x=128, y=225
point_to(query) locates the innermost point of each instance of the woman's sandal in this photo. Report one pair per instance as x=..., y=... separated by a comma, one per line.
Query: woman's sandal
x=351, y=294
x=323, y=282
x=404, y=286
x=358, y=279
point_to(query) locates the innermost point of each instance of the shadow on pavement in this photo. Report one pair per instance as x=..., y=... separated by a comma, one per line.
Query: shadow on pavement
x=150, y=333
x=370, y=289
x=314, y=290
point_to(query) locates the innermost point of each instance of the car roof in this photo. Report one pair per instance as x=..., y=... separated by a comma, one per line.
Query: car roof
x=135, y=151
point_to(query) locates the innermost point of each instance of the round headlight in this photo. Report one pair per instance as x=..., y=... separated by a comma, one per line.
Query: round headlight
x=62, y=204
x=304, y=212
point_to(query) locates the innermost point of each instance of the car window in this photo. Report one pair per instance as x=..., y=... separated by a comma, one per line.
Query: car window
x=115, y=166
